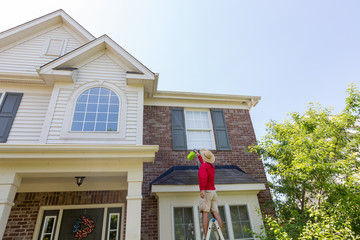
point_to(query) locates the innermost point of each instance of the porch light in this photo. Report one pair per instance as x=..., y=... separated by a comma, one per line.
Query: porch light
x=79, y=180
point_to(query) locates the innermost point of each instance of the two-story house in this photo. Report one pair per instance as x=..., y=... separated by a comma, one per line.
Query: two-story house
x=91, y=149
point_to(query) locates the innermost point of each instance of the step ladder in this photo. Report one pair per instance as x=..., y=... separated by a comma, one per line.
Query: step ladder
x=216, y=229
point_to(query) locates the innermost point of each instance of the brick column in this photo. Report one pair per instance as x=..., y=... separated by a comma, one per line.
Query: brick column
x=9, y=183
x=134, y=198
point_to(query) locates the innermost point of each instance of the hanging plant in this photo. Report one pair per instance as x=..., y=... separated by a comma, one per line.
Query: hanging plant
x=80, y=232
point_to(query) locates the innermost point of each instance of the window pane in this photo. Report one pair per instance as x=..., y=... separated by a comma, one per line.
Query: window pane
x=97, y=109
x=104, y=91
x=113, y=118
x=100, y=127
x=114, y=108
x=83, y=98
x=101, y=117
x=112, y=235
x=90, y=117
x=94, y=91
x=184, y=226
x=104, y=99
x=111, y=127
x=89, y=126
x=179, y=232
x=114, y=100
x=91, y=107
x=240, y=221
x=114, y=221
x=49, y=225
x=80, y=107
x=103, y=107
x=93, y=99
x=77, y=126
x=79, y=116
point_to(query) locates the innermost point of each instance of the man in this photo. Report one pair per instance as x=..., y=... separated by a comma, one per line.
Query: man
x=208, y=196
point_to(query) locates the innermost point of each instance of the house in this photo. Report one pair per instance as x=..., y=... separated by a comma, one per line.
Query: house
x=91, y=149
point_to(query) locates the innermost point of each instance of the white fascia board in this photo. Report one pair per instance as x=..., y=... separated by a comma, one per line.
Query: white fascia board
x=20, y=78
x=219, y=187
x=191, y=99
x=62, y=151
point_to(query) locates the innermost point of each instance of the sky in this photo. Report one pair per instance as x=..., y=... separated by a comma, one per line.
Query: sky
x=289, y=52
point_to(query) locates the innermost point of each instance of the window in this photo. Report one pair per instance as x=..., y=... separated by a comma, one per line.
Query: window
x=240, y=222
x=196, y=129
x=225, y=230
x=184, y=223
x=113, y=228
x=235, y=222
x=48, y=228
x=199, y=130
x=96, y=110
x=66, y=221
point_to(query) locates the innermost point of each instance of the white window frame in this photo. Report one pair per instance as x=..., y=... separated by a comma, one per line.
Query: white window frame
x=211, y=129
x=117, y=227
x=53, y=228
x=66, y=132
x=61, y=209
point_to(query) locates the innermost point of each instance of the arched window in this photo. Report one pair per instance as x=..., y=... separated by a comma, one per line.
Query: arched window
x=96, y=110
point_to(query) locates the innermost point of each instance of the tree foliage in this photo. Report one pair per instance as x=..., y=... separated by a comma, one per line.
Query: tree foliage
x=313, y=163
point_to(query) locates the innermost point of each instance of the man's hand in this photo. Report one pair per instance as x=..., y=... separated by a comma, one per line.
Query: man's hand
x=197, y=153
x=202, y=193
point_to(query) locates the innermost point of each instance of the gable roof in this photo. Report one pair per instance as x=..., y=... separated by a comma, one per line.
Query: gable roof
x=67, y=64
x=24, y=30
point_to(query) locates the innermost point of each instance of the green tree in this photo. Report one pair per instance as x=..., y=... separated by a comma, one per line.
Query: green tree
x=313, y=163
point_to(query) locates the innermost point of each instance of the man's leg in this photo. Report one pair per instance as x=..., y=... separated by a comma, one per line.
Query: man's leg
x=205, y=222
x=216, y=215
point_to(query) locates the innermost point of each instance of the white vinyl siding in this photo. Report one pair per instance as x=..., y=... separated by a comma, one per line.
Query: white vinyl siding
x=25, y=57
x=30, y=117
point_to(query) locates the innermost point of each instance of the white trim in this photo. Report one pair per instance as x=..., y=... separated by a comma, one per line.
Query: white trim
x=117, y=227
x=67, y=207
x=66, y=132
x=211, y=127
x=53, y=227
x=197, y=224
x=49, y=114
x=228, y=221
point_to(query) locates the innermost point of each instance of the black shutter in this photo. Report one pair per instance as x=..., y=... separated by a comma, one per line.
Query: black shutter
x=221, y=133
x=178, y=129
x=7, y=113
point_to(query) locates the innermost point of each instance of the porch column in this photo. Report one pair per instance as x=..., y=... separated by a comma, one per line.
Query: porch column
x=134, y=197
x=9, y=183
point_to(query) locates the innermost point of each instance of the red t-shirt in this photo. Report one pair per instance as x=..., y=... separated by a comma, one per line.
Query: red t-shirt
x=206, y=175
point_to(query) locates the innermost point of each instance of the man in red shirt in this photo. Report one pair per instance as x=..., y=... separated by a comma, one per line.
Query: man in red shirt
x=208, y=196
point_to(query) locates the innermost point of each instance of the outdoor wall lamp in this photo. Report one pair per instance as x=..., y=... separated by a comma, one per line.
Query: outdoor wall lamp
x=79, y=180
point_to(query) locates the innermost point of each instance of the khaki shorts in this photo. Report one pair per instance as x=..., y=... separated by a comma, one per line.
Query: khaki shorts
x=209, y=202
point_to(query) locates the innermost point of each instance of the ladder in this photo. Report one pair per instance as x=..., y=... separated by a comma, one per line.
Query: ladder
x=217, y=229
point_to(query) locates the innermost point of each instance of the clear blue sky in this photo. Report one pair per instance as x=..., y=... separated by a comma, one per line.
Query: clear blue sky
x=289, y=52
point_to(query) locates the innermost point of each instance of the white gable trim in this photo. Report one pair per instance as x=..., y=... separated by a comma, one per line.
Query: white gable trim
x=44, y=22
x=91, y=48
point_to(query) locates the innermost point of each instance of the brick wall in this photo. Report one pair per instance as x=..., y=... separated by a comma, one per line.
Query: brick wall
x=23, y=215
x=157, y=131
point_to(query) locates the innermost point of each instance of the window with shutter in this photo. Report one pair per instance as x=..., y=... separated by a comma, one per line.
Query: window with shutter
x=221, y=133
x=8, y=110
x=178, y=129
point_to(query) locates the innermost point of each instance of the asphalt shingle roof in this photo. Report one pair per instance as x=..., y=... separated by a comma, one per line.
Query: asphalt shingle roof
x=188, y=175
